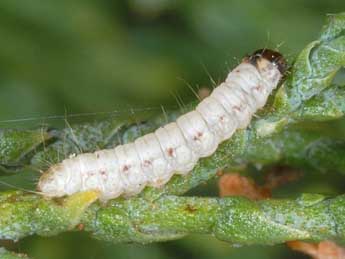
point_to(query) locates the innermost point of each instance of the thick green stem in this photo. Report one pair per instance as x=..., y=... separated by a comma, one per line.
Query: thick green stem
x=234, y=219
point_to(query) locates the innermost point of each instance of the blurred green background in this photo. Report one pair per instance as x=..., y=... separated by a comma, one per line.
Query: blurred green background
x=68, y=57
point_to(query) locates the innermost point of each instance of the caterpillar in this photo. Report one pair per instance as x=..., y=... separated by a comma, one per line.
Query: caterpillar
x=151, y=160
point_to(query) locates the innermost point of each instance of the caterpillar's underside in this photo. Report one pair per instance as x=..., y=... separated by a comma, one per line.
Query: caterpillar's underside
x=175, y=148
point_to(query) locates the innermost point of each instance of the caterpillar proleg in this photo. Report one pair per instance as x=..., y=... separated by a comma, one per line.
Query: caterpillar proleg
x=175, y=148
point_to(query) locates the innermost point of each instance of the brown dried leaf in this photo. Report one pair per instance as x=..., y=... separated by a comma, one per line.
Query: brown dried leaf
x=235, y=184
x=322, y=250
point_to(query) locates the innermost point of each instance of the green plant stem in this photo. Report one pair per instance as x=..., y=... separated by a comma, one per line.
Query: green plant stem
x=234, y=219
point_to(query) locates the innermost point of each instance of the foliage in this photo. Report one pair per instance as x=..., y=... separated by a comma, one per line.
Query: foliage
x=292, y=130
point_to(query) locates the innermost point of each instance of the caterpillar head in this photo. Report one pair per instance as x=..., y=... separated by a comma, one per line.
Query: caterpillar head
x=52, y=182
x=270, y=64
x=274, y=57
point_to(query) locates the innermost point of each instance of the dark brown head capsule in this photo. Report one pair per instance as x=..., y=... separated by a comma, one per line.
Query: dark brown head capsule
x=272, y=56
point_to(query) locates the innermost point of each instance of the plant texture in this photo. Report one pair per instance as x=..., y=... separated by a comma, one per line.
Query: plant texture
x=292, y=130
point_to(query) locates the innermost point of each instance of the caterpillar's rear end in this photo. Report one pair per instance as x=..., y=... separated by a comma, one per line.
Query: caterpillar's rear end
x=151, y=160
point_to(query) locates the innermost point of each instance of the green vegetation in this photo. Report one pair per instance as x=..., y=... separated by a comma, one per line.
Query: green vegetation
x=301, y=127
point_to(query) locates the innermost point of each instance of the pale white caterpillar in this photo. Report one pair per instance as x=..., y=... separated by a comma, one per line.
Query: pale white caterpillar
x=175, y=148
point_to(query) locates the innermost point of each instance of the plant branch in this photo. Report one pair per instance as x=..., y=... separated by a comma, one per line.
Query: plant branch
x=233, y=219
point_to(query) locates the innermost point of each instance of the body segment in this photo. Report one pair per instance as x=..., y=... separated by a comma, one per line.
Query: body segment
x=151, y=160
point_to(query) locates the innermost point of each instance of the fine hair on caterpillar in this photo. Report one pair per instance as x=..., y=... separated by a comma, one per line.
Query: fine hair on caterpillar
x=151, y=160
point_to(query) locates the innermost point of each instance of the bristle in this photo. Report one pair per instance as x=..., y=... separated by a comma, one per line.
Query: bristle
x=151, y=160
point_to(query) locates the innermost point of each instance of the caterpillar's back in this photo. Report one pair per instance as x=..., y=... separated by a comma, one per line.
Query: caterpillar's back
x=175, y=148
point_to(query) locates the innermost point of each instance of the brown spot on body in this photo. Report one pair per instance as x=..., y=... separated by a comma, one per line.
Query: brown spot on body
x=237, y=108
x=258, y=88
x=147, y=163
x=170, y=152
x=198, y=135
x=125, y=168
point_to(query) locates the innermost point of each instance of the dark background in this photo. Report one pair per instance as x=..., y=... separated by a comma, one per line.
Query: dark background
x=66, y=57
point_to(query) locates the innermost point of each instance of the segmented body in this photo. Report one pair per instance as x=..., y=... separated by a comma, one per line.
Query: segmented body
x=175, y=148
